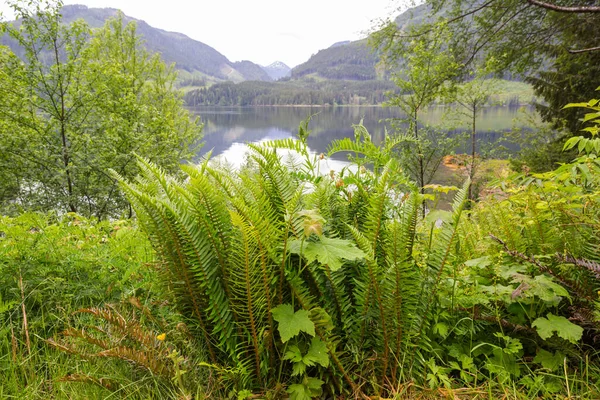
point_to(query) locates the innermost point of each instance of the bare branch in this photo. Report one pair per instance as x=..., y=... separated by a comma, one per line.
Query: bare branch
x=554, y=7
x=588, y=50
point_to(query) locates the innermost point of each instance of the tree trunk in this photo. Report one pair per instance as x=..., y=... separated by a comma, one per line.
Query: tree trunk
x=63, y=132
x=472, y=168
x=421, y=177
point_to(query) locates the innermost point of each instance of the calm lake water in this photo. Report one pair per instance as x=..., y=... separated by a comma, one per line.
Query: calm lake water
x=227, y=129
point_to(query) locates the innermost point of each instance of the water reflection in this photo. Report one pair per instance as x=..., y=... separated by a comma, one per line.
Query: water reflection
x=228, y=128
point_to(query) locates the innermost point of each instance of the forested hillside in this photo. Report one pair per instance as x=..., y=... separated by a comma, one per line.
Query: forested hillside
x=197, y=59
x=356, y=60
x=352, y=61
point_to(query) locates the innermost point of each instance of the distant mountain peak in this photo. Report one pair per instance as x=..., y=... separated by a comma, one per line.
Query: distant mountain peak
x=277, y=70
x=277, y=64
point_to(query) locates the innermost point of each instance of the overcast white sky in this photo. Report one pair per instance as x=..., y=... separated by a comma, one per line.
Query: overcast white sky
x=262, y=31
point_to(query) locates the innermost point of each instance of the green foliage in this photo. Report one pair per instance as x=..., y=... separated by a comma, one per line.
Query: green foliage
x=266, y=273
x=50, y=267
x=554, y=49
x=327, y=251
x=425, y=71
x=531, y=275
x=565, y=329
x=292, y=323
x=58, y=259
x=77, y=103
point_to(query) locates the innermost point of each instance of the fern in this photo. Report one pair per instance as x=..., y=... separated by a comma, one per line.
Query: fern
x=225, y=241
x=440, y=253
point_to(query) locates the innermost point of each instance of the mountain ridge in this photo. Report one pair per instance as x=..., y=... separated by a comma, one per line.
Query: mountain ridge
x=354, y=60
x=194, y=58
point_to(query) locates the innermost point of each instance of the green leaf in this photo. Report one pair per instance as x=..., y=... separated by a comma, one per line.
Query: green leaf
x=317, y=354
x=569, y=144
x=572, y=105
x=292, y=323
x=314, y=385
x=244, y=394
x=590, y=116
x=480, y=263
x=564, y=328
x=298, y=368
x=293, y=354
x=298, y=391
x=543, y=287
x=327, y=251
x=548, y=360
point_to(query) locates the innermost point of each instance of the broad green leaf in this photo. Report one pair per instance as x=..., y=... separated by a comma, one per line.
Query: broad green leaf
x=582, y=144
x=590, y=116
x=508, y=272
x=298, y=368
x=543, y=287
x=548, y=360
x=292, y=323
x=244, y=394
x=569, y=144
x=564, y=328
x=571, y=105
x=314, y=385
x=317, y=354
x=481, y=262
x=441, y=328
x=327, y=251
x=298, y=391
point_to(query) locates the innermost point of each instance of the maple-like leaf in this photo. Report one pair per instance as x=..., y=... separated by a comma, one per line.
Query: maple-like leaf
x=549, y=360
x=564, y=328
x=327, y=251
x=292, y=323
x=299, y=391
x=317, y=353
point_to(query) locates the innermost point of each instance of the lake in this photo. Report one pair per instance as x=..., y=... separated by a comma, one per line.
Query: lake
x=227, y=129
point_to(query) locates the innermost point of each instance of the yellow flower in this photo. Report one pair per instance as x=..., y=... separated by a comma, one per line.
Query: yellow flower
x=162, y=336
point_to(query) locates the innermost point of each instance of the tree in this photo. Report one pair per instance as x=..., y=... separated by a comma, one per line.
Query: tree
x=553, y=43
x=471, y=97
x=423, y=69
x=79, y=103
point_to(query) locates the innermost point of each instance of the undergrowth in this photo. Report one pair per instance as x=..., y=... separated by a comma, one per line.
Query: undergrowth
x=275, y=281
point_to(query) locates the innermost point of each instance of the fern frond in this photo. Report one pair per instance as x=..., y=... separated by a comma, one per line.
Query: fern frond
x=440, y=253
x=248, y=299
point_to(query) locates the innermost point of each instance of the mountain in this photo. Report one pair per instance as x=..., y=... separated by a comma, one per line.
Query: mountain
x=277, y=70
x=251, y=71
x=197, y=61
x=354, y=60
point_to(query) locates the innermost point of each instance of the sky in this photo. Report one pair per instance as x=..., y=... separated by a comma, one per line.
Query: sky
x=262, y=31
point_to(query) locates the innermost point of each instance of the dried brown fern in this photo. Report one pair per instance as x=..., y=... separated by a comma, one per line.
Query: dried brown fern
x=119, y=335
